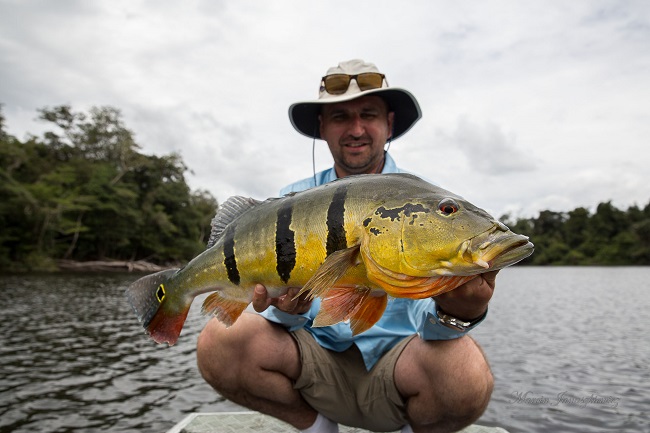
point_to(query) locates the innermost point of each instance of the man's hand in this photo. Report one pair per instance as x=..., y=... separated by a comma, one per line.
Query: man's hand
x=286, y=303
x=469, y=301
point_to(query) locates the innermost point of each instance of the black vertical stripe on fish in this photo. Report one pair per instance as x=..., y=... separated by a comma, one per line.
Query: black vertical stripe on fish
x=336, y=239
x=285, y=246
x=229, y=261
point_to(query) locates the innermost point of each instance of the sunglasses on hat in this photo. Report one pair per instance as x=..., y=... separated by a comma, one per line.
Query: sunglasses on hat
x=337, y=84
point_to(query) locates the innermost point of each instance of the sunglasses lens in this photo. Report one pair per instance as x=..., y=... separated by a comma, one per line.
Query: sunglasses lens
x=337, y=84
x=370, y=80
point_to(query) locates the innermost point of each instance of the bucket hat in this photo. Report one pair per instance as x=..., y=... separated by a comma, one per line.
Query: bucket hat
x=304, y=115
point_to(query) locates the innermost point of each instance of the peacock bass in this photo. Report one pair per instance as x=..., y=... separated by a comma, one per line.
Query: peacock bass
x=352, y=242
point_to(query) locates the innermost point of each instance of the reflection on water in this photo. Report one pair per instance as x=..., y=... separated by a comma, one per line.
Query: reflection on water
x=568, y=347
x=569, y=350
x=75, y=359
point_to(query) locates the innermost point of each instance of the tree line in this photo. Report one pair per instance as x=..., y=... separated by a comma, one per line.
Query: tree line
x=83, y=192
x=607, y=236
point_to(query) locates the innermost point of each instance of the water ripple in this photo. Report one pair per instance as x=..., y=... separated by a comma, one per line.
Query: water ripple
x=76, y=360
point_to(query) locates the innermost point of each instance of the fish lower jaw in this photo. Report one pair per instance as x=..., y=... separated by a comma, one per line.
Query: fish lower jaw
x=497, y=251
x=508, y=253
x=461, y=266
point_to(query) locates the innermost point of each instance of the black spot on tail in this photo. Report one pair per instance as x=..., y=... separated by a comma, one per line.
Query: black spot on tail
x=146, y=294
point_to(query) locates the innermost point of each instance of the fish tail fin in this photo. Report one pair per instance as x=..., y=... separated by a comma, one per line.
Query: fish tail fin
x=363, y=307
x=161, y=316
x=224, y=309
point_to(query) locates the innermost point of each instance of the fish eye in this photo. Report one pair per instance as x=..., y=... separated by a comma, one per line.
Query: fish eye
x=448, y=206
x=160, y=293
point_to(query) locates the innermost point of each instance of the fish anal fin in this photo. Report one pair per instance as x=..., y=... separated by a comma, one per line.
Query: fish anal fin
x=339, y=304
x=332, y=269
x=224, y=309
x=369, y=312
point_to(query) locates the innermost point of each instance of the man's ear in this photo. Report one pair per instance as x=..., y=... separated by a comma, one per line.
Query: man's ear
x=391, y=121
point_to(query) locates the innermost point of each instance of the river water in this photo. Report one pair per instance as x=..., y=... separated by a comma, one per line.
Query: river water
x=569, y=348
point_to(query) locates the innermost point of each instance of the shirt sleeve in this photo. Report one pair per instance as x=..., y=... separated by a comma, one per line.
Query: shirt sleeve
x=292, y=322
x=431, y=328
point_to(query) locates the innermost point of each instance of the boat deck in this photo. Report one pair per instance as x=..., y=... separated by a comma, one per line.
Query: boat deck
x=245, y=422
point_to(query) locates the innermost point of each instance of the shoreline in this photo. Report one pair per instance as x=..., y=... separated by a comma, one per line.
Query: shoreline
x=111, y=266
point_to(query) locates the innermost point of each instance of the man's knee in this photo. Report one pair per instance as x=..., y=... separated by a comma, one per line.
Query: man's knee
x=473, y=388
x=229, y=357
x=449, y=383
x=212, y=352
x=478, y=383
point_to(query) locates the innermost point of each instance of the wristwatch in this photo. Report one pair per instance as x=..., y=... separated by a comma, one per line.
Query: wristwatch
x=455, y=323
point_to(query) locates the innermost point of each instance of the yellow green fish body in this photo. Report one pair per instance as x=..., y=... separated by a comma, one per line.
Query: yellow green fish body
x=350, y=242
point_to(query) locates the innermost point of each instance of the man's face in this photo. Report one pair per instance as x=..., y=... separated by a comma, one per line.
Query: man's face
x=356, y=132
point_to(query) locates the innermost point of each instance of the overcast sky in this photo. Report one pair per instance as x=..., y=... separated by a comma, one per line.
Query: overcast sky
x=527, y=105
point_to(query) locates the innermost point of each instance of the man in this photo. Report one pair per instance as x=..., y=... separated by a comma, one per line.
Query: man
x=415, y=369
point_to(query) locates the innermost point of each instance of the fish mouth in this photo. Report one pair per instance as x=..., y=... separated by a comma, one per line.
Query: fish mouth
x=498, y=248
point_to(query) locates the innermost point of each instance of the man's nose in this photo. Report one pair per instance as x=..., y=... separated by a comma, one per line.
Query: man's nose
x=357, y=127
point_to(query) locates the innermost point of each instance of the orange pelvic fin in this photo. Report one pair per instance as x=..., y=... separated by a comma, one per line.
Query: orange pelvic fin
x=368, y=313
x=363, y=307
x=332, y=269
x=224, y=309
x=339, y=304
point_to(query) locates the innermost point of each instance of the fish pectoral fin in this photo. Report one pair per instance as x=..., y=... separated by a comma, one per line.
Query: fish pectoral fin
x=224, y=309
x=339, y=304
x=368, y=313
x=332, y=269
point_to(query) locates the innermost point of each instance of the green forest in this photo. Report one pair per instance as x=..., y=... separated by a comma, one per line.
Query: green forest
x=83, y=192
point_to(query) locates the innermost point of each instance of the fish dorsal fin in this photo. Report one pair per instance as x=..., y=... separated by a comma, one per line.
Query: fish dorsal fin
x=229, y=211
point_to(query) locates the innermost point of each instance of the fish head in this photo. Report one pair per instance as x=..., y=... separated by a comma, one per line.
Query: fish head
x=439, y=235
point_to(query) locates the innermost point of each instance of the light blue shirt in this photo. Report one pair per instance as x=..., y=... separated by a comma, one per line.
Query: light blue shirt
x=403, y=317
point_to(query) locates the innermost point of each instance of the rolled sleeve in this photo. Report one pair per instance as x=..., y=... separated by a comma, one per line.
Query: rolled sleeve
x=292, y=322
x=432, y=329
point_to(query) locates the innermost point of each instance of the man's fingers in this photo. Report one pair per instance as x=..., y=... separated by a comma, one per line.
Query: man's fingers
x=287, y=303
x=490, y=277
x=261, y=301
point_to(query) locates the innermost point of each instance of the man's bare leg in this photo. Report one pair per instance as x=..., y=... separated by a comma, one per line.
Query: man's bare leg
x=255, y=363
x=447, y=384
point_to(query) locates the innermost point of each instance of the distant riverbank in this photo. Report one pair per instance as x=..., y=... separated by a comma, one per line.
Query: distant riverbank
x=111, y=266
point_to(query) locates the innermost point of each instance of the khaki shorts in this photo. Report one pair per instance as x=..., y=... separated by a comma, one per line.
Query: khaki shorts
x=338, y=385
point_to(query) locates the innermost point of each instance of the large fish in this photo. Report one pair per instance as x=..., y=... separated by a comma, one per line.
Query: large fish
x=350, y=242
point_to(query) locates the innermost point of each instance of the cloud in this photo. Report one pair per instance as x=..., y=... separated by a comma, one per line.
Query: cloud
x=488, y=149
x=512, y=92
